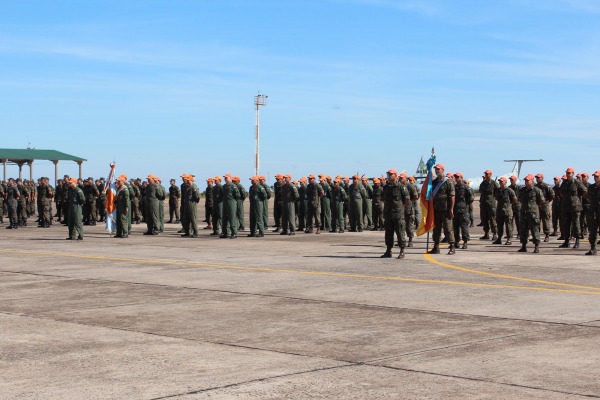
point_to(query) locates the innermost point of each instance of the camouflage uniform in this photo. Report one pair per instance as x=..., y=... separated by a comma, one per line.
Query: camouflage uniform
x=516, y=208
x=463, y=197
x=257, y=195
x=409, y=212
x=487, y=204
x=593, y=216
x=570, y=193
x=314, y=192
x=289, y=195
x=338, y=197
x=504, y=213
x=530, y=199
x=442, y=200
x=395, y=198
x=545, y=209
x=557, y=223
x=377, y=207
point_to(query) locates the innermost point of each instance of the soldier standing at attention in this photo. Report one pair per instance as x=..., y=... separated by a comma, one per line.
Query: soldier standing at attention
x=101, y=200
x=174, y=202
x=585, y=206
x=90, y=192
x=46, y=202
x=571, y=191
x=12, y=199
x=289, y=194
x=409, y=212
x=2, y=194
x=217, y=221
x=240, y=203
x=556, y=220
x=75, y=218
x=58, y=199
x=545, y=209
x=505, y=197
x=443, y=209
x=123, y=206
x=464, y=196
x=531, y=198
x=161, y=194
x=415, y=203
x=278, y=202
x=367, y=207
x=152, y=213
x=314, y=193
x=135, y=210
x=594, y=213
x=302, y=205
x=208, y=203
x=356, y=193
x=345, y=184
x=338, y=197
x=142, y=185
x=263, y=182
x=395, y=198
x=487, y=204
x=65, y=199
x=189, y=200
x=377, y=205
x=22, y=203
x=257, y=195
x=325, y=204
x=231, y=194
x=516, y=207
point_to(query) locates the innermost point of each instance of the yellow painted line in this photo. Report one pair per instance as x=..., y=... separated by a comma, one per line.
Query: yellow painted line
x=430, y=258
x=294, y=271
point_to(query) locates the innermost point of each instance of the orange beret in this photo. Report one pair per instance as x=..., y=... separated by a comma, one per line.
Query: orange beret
x=570, y=170
x=393, y=171
x=218, y=178
x=210, y=180
x=529, y=177
x=459, y=174
x=513, y=177
x=539, y=175
x=279, y=176
x=487, y=171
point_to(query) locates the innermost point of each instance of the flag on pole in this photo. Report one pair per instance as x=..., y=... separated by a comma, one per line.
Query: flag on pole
x=426, y=200
x=111, y=209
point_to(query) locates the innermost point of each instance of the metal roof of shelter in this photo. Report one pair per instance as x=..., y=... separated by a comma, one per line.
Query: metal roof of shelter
x=28, y=156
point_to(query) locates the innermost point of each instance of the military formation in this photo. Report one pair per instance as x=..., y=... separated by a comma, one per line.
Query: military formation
x=535, y=211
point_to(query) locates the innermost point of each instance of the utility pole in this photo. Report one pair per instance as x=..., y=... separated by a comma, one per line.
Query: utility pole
x=259, y=100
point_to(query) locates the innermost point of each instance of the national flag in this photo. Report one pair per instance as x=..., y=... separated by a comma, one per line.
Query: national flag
x=426, y=201
x=111, y=208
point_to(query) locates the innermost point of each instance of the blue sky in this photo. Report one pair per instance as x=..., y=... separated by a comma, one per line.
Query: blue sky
x=167, y=87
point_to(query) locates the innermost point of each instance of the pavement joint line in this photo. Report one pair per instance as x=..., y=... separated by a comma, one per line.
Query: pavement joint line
x=516, y=385
x=343, y=275
x=266, y=378
x=348, y=303
x=430, y=258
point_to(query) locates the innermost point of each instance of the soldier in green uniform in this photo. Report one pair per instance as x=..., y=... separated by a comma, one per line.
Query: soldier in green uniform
x=208, y=203
x=356, y=193
x=240, y=203
x=556, y=217
x=262, y=180
x=32, y=193
x=46, y=195
x=594, y=213
x=531, y=198
x=325, y=204
x=152, y=213
x=217, y=194
x=367, y=206
x=345, y=184
x=75, y=218
x=174, y=202
x=123, y=206
x=377, y=202
x=12, y=199
x=395, y=198
x=230, y=196
x=463, y=196
x=409, y=211
x=161, y=195
x=101, y=201
x=190, y=199
x=505, y=198
x=571, y=191
x=136, y=205
x=289, y=195
x=22, y=203
x=302, y=205
x=257, y=196
x=131, y=189
x=58, y=199
x=278, y=202
x=142, y=185
x=65, y=199
x=314, y=193
x=90, y=191
x=487, y=204
x=443, y=194
x=585, y=206
x=516, y=207
x=338, y=197
x=545, y=209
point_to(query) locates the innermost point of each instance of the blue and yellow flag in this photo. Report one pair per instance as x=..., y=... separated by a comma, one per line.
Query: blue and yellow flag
x=426, y=201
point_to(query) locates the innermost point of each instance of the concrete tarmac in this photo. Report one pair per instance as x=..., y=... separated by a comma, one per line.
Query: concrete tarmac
x=292, y=317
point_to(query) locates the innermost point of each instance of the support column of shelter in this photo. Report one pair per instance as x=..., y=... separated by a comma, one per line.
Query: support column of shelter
x=55, y=172
x=4, y=164
x=30, y=162
x=20, y=170
x=80, y=171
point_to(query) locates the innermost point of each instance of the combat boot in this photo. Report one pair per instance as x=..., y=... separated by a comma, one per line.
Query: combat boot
x=565, y=245
x=554, y=234
x=495, y=237
x=508, y=243
x=547, y=238
x=410, y=242
x=561, y=237
x=523, y=249
x=387, y=254
x=576, y=245
x=401, y=255
x=318, y=230
x=497, y=241
x=452, y=249
x=465, y=246
x=592, y=252
x=536, y=248
x=486, y=236
x=434, y=250
x=444, y=240
x=10, y=226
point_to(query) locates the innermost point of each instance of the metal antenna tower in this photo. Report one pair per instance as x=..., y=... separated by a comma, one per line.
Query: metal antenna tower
x=259, y=100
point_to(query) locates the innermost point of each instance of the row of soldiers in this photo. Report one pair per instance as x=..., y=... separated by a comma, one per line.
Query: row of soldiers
x=572, y=203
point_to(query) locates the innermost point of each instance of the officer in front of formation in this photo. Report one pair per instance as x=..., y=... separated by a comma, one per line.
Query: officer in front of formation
x=531, y=198
x=443, y=193
x=395, y=199
x=594, y=213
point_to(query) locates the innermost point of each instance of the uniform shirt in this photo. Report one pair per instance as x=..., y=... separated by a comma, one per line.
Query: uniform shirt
x=242, y=190
x=413, y=194
x=357, y=192
x=257, y=194
x=12, y=193
x=570, y=192
x=556, y=202
x=463, y=197
x=289, y=193
x=486, y=190
x=208, y=200
x=76, y=197
x=267, y=190
x=192, y=194
x=277, y=190
x=546, y=190
x=230, y=192
x=338, y=195
x=314, y=192
x=531, y=199
x=443, y=194
x=90, y=192
x=302, y=193
x=174, y=193
x=395, y=196
x=217, y=194
x=594, y=198
x=505, y=197
x=377, y=194
x=122, y=199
